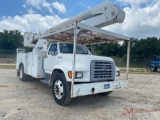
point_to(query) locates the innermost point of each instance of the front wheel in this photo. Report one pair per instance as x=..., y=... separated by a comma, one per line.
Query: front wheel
x=61, y=90
x=152, y=68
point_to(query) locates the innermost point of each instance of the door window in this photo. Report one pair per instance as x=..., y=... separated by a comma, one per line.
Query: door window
x=53, y=49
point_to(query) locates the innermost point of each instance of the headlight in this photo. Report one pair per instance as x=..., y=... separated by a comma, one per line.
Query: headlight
x=77, y=74
x=118, y=73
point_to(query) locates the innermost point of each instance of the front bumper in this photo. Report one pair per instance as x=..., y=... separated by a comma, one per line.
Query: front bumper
x=98, y=87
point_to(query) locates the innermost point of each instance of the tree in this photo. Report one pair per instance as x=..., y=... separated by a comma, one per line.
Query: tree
x=10, y=40
x=140, y=49
x=146, y=48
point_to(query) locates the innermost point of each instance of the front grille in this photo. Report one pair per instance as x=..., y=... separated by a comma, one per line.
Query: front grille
x=102, y=70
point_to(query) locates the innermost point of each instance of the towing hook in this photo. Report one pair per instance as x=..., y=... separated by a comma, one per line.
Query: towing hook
x=92, y=90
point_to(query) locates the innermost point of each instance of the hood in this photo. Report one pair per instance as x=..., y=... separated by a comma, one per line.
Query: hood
x=82, y=61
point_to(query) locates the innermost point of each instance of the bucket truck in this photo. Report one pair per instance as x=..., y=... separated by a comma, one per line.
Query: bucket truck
x=61, y=59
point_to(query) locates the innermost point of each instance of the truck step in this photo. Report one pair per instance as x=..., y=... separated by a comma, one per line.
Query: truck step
x=46, y=80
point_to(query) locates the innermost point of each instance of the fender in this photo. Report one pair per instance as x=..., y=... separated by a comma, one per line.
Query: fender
x=66, y=66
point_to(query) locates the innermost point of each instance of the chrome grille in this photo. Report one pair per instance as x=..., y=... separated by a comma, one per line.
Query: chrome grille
x=102, y=70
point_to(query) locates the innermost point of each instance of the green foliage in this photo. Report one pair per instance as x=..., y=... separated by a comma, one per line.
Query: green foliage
x=145, y=48
x=140, y=49
x=10, y=40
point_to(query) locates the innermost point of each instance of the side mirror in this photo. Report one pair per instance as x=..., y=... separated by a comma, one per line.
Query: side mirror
x=45, y=50
x=54, y=53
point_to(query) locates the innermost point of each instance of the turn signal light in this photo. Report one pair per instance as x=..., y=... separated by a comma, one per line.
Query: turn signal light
x=70, y=74
x=77, y=75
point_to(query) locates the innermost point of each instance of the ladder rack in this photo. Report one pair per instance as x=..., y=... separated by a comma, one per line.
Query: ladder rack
x=86, y=36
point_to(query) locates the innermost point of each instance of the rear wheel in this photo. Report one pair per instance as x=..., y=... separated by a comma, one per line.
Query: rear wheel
x=61, y=90
x=23, y=76
x=152, y=68
x=158, y=68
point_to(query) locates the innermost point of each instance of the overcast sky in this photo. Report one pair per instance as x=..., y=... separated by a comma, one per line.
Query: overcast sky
x=142, y=16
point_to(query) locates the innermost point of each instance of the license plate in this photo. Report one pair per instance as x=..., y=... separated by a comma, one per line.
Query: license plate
x=107, y=86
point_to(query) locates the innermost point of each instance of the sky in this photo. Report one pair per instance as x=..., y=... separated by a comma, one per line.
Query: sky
x=142, y=16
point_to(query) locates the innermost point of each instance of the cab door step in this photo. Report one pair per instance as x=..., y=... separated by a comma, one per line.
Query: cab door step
x=47, y=79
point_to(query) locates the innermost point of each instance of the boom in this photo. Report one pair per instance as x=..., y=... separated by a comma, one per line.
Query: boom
x=99, y=16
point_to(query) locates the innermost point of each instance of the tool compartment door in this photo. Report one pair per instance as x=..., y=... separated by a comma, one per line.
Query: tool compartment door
x=30, y=57
x=35, y=63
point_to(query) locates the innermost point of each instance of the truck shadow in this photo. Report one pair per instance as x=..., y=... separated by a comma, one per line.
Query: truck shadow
x=93, y=101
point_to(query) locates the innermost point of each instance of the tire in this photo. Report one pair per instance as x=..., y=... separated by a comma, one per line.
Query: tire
x=61, y=90
x=106, y=93
x=158, y=68
x=152, y=68
x=23, y=76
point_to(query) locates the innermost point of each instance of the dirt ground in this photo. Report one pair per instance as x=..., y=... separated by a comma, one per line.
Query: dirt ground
x=33, y=100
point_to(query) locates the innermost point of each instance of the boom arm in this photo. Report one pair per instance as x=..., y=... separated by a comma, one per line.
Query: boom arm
x=99, y=16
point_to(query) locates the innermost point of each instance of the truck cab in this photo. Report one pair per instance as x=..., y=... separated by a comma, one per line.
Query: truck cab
x=59, y=56
x=89, y=68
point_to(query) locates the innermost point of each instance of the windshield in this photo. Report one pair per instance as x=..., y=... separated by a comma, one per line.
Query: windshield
x=68, y=48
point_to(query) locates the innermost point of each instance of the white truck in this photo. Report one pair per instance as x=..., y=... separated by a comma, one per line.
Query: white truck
x=60, y=58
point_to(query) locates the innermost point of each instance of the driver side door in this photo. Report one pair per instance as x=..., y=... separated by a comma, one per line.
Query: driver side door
x=52, y=59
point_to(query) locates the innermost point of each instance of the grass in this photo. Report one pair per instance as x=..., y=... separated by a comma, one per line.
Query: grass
x=138, y=71
x=137, y=66
x=119, y=61
x=134, y=63
x=134, y=69
x=7, y=66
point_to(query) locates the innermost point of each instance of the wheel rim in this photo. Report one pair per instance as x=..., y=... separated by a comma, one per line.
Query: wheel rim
x=158, y=69
x=152, y=68
x=58, y=89
x=21, y=73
